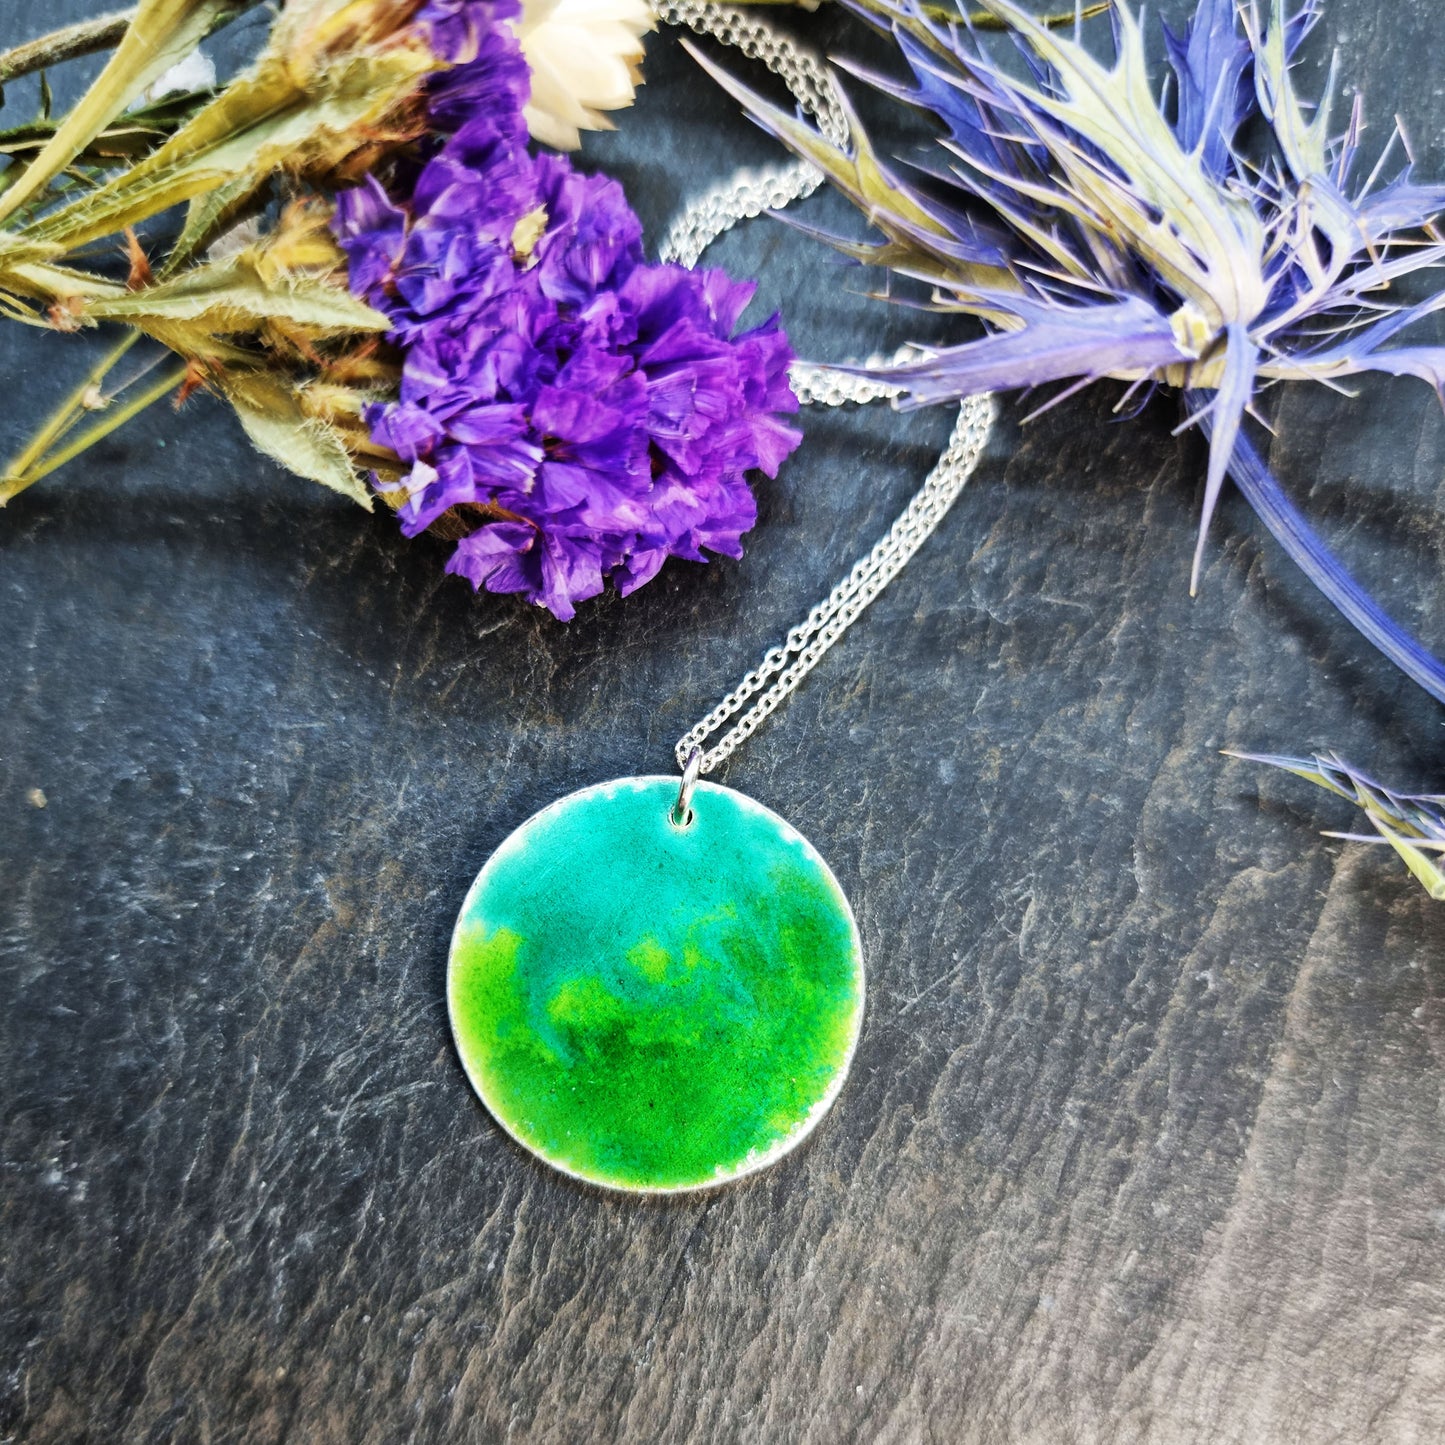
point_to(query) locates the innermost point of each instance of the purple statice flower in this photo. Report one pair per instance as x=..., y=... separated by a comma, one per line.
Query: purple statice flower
x=461, y=31
x=586, y=414
x=1413, y=824
x=1101, y=224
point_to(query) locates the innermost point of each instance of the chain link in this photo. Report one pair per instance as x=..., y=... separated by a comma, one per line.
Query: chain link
x=786, y=665
x=768, y=188
x=750, y=193
x=804, y=73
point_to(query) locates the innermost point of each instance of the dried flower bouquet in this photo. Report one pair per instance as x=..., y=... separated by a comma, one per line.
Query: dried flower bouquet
x=397, y=292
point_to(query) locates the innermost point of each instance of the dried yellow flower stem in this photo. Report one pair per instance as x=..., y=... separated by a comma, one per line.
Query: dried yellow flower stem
x=36, y=461
x=65, y=417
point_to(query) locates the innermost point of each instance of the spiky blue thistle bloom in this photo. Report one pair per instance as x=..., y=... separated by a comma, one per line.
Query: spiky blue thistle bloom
x=1413, y=824
x=1100, y=223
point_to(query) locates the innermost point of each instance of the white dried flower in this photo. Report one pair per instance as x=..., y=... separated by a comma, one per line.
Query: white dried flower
x=584, y=56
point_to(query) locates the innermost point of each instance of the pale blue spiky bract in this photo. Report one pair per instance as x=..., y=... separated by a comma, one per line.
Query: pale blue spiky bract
x=1207, y=228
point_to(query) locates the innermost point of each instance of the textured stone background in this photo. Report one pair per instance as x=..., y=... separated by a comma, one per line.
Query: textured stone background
x=1144, y=1140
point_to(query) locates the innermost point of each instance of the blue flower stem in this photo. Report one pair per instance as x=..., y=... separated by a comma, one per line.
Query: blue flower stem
x=1263, y=492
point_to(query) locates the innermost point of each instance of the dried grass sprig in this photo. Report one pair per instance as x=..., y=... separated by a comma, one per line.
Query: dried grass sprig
x=1413, y=824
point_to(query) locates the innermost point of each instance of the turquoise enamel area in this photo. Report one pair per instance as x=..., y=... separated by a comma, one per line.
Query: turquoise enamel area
x=654, y=1007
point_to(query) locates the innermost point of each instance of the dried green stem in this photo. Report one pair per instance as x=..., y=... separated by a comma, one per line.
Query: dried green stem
x=34, y=462
x=85, y=37
x=70, y=42
x=64, y=417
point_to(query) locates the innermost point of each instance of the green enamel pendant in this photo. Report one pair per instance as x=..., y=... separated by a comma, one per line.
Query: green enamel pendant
x=656, y=1005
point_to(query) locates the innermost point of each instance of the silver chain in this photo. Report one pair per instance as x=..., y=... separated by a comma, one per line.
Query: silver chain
x=750, y=193
x=786, y=665
x=800, y=70
x=768, y=188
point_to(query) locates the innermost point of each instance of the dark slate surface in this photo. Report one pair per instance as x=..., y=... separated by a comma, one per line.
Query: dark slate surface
x=1144, y=1140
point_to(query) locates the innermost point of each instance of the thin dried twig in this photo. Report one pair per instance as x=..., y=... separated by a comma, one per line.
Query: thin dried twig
x=70, y=42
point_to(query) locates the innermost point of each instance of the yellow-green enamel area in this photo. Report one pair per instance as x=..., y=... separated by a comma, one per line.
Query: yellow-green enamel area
x=654, y=1007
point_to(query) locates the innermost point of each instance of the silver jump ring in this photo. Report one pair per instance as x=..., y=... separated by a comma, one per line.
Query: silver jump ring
x=682, y=809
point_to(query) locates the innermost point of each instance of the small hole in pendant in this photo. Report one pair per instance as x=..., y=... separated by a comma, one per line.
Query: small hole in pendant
x=682, y=822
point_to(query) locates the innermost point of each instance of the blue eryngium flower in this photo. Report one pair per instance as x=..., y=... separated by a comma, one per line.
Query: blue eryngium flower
x=1101, y=224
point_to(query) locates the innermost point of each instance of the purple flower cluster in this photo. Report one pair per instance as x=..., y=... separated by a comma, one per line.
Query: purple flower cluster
x=592, y=414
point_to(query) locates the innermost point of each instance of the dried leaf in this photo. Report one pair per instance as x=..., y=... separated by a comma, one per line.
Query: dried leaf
x=1413, y=824
x=1426, y=869
x=268, y=121
x=235, y=294
x=1304, y=143
x=861, y=177
x=162, y=33
x=210, y=215
x=270, y=409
